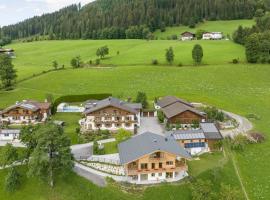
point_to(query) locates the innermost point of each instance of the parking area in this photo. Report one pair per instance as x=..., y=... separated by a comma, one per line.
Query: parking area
x=150, y=124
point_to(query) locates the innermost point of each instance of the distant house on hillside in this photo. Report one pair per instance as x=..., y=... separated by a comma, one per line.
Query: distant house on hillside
x=212, y=36
x=187, y=36
x=9, y=52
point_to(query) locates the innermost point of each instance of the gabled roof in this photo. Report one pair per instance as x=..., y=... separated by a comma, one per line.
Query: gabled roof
x=147, y=143
x=114, y=102
x=29, y=105
x=169, y=100
x=206, y=131
x=178, y=108
x=210, y=131
x=187, y=32
x=187, y=134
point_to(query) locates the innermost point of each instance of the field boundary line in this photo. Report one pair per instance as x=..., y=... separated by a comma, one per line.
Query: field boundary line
x=230, y=155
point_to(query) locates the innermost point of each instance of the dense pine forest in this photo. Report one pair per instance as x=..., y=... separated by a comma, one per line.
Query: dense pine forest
x=115, y=19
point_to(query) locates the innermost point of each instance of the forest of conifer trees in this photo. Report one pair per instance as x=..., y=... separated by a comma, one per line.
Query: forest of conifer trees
x=116, y=19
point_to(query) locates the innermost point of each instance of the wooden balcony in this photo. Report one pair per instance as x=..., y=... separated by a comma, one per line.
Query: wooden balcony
x=134, y=171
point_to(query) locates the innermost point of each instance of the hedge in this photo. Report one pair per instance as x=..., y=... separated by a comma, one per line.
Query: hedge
x=77, y=98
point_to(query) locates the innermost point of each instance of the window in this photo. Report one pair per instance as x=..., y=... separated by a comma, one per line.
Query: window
x=155, y=155
x=144, y=166
x=194, y=145
x=6, y=134
x=108, y=125
x=153, y=165
x=160, y=165
x=159, y=174
x=127, y=124
x=169, y=163
x=153, y=174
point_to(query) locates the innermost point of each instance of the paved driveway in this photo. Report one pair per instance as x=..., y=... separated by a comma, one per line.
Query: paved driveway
x=150, y=124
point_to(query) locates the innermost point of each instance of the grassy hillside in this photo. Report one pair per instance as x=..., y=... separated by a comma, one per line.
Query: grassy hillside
x=74, y=187
x=242, y=89
x=38, y=56
x=227, y=27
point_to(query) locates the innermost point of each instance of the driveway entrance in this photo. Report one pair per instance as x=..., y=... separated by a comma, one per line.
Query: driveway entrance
x=150, y=124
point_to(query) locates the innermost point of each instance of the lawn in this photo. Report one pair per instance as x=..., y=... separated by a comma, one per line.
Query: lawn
x=71, y=123
x=111, y=147
x=73, y=187
x=205, y=162
x=226, y=27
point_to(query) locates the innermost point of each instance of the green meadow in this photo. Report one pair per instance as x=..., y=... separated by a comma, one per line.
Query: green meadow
x=35, y=57
x=240, y=88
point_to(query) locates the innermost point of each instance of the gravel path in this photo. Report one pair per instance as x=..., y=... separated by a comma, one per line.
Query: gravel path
x=244, y=125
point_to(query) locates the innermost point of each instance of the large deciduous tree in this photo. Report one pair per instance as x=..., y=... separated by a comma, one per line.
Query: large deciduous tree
x=102, y=52
x=52, y=155
x=9, y=155
x=253, y=48
x=7, y=72
x=142, y=98
x=13, y=180
x=197, y=54
x=169, y=55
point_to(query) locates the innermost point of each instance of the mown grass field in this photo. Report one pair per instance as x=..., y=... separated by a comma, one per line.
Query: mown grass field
x=226, y=27
x=35, y=57
x=241, y=88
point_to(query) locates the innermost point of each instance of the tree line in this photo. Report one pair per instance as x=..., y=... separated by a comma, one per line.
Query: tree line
x=256, y=39
x=119, y=19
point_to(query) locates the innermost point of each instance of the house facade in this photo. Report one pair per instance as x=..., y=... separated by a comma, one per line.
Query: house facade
x=197, y=141
x=8, y=52
x=179, y=111
x=212, y=36
x=187, y=36
x=111, y=114
x=151, y=157
x=26, y=112
x=9, y=134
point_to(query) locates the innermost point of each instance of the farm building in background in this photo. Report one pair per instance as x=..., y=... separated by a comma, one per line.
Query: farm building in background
x=9, y=52
x=187, y=36
x=212, y=36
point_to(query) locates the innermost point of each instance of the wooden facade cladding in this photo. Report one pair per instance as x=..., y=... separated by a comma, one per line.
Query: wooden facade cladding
x=166, y=162
x=187, y=117
x=17, y=112
x=109, y=111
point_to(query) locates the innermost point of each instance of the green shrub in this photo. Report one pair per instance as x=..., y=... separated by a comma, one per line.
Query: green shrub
x=97, y=61
x=239, y=142
x=154, y=62
x=213, y=114
x=235, y=61
x=122, y=135
x=160, y=116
